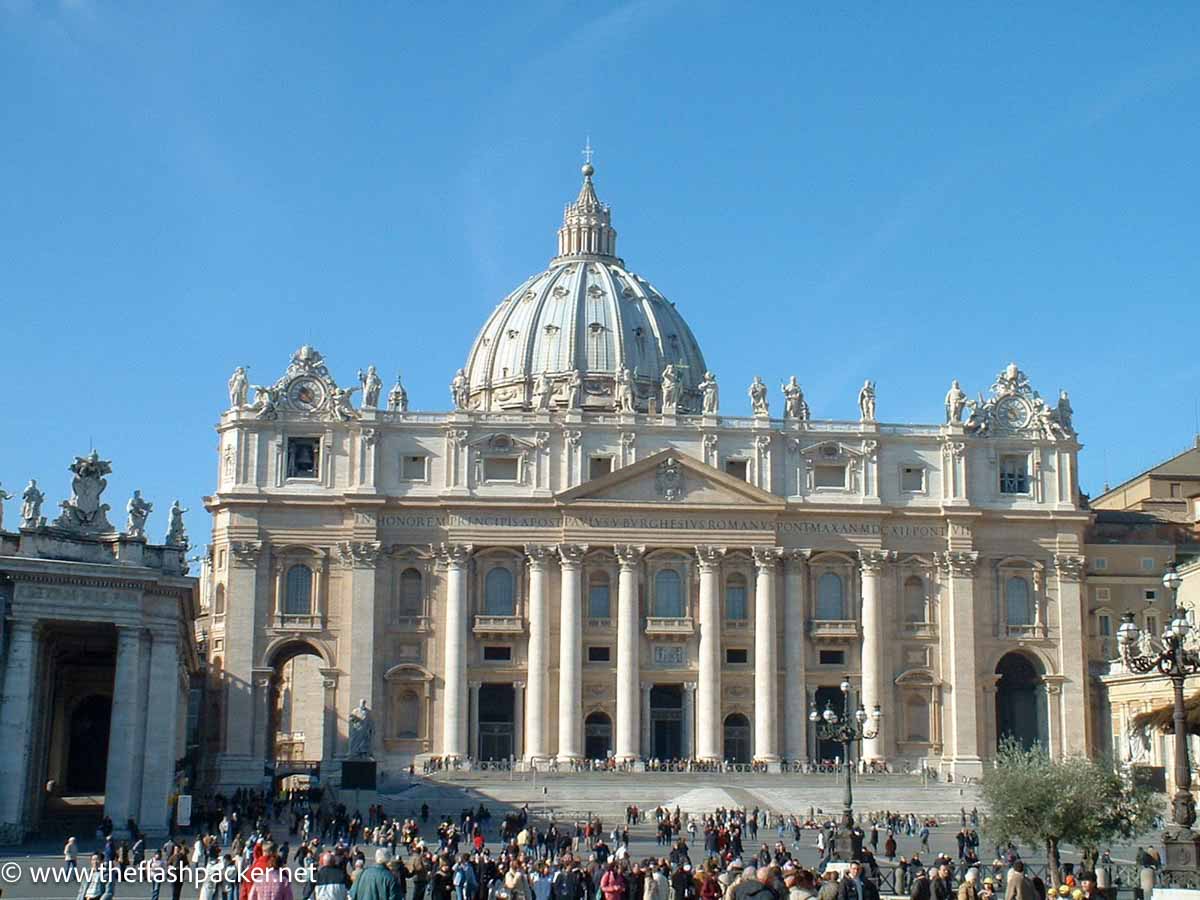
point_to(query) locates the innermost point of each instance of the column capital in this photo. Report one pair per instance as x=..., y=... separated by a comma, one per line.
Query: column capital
x=454, y=556
x=690, y=685
x=796, y=558
x=1069, y=566
x=961, y=563
x=709, y=556
x=872, y=561
x=571, y=554
x=537, y=555
x=519, y=685
x=246, y=553
x=766, y=557
x=359, y=554
x=629, y=555
x=127, y=634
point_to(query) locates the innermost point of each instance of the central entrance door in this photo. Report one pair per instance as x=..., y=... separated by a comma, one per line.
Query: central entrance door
x=666, y=721
x=597, y=736
x=497, y=728
x=829, y=751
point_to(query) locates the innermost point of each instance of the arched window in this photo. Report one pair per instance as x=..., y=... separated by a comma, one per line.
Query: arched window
x=219, y=601
x=831, y=597
x=916, y=714
x=408, y=715
x=735, y=598
x=914, y=599
x=599, y=599
x=412, y=599
x=1017, y=601
x=298, y=591
x=498, y=598
x=668, y=594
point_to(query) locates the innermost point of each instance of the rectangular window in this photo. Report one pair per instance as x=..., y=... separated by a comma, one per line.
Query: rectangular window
x=497, y=654
x=1176, y=489
x=832, y=657
x=1099, y=564
x=829, y=477
x=599, y=654
x=413, y=468
x=912, y=479
x=1152, y=625
x=409, y=652
x=1102, y=595
x=737, y=656
x=599, y=467
x=1105, y=623
x=221, y=559
x=303, y=457
x=500, y=468
x=1150, y=594
x=1147, y=563
x=738, y=468
x=1014, y=474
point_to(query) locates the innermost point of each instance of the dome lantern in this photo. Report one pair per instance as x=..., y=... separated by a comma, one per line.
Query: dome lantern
x=587, y=224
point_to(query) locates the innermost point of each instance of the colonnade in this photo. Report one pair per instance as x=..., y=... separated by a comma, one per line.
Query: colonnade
x=769, y=604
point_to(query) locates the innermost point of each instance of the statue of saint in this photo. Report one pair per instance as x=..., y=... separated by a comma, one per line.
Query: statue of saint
x=398, y=397
x=794, y=406
x=238, y=386
x=459, y=389
x=138, y=510
x=710, y=393
x=670, y=390
x=1138, y=744
x=1065, y=412
x=625, y=400
x=176, y=535
x=956, y=403
x=362, y=730
x=371, y=384
x=4, y=495
x=265, y=399
x=758, y=397
x=31, y=505
x=542, y=392
x=866, y=402
x=574, y=389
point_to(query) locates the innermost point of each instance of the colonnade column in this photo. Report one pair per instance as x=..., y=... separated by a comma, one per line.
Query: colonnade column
x=959, y=568
x=628, y=646
x=872, y=562
x=161, y=745
x=795, y=692
x=121, y=798
x=708, y=692
x=766, y=675
x=16, y=727
x=454, y=721
x=570, y=654
x=539, y=655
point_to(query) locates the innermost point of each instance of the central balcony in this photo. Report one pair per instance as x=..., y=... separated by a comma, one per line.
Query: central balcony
x=499, y=625
x=833, y=630
x=669, y=626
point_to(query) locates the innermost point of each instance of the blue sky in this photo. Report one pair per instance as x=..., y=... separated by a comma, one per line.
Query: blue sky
x=907, y=192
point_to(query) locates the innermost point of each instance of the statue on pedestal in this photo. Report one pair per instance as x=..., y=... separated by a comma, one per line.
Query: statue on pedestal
x=758, y=396
x=574, y=389
x=1065, y=412
x=238, y=387
x=625, y=400
x=866, y=402
x=794, y=406
x=956, y=403
x=398, y=397
x=84, y=511
x=710, y=393
x=670, y=390
x=459, y=389
x=542, y=390
x=362, y=730
x=138, y=510
x=31, y=505
x=4, y=495
x=176, y=535
x=371, y=385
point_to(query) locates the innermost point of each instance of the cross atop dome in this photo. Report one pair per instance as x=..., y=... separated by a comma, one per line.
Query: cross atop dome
x=587, y=223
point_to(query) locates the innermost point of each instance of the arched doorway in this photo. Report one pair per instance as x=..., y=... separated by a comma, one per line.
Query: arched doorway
x=666, y=721
x=87, y=745
x=297, y=709
x=1020, y=701
x=597, y=736
x=737, y=738
x=497, y=721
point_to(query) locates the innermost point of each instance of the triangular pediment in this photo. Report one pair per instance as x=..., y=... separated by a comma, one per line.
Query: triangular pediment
x=670, y=478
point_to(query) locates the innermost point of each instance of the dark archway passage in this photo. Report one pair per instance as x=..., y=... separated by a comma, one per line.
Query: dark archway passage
x=597, y=736
x=87, y=745
x=737, y=738
x=1020, y=702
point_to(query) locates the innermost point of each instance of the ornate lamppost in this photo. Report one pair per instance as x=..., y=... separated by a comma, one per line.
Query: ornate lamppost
x=1170, y=657
x=846, y=729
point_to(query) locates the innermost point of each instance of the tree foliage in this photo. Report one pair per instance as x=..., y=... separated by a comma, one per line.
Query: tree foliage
x=1038, y=801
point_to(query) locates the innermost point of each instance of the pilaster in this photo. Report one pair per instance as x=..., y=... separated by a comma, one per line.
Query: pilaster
x=795, y=692
x=455, y=557
x=360, y=559
x=958, y=568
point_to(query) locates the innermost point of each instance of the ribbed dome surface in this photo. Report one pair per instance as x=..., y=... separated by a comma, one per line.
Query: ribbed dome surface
x=585, y=313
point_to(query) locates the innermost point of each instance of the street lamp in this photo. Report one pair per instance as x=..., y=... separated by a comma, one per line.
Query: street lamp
x=846, y=728
x=1172, y=659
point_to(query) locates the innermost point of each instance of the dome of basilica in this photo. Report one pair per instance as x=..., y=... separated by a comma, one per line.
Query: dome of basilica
x=566, y=335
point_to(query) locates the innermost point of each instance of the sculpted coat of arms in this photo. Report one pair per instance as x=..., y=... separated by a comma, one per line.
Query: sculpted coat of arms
x=668, y=480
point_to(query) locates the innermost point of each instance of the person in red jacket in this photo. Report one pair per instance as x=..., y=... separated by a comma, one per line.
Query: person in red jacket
x=612, y=885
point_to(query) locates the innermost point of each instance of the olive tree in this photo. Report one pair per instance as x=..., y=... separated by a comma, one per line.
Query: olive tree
x=1035, y=800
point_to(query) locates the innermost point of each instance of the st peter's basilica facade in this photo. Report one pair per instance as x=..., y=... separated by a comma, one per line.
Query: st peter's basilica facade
x=585, y=559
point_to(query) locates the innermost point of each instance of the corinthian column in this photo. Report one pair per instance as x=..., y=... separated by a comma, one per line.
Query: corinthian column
x=570, y=654
x=766, y=706
x=795, y=684
x=454, y=706
x=630, y=559
x=872, y=562
x=708, y=693
x=539, y=655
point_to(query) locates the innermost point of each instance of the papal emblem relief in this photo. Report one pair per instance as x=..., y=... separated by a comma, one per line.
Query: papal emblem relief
x=668, y=481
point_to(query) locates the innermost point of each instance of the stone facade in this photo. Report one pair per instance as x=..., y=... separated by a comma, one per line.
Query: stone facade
x=586, y=558
x=95, y=619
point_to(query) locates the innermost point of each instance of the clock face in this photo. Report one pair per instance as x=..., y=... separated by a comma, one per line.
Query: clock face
x=1013, y=413
x=306, y=393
